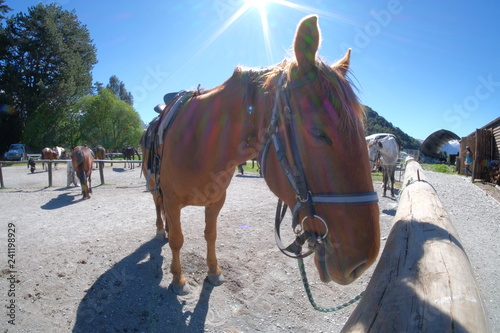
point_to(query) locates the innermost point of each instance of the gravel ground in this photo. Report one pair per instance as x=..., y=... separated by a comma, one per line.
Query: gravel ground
x=93, y=265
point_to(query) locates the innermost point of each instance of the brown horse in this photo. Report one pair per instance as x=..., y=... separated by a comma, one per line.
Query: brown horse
x=129, y=153
x=82, y=160
x=48, y=154
x=100, y=153
x=304, y=122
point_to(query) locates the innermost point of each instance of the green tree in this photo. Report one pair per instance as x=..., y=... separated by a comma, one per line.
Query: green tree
x=105, y=119
x=45, y=67
x=4, y=9
x=118, y=88
x=378, y=124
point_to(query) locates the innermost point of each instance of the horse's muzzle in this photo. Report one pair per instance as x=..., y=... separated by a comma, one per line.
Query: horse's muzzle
x=337, y=268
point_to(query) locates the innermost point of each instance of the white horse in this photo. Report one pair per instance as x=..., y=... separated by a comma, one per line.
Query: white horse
x=59, y=151
x=71, y=175
x=387, y=149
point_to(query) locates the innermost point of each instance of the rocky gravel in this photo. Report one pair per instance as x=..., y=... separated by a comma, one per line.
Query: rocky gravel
x=94, y=265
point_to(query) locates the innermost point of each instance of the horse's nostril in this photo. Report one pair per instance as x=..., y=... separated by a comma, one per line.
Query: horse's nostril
x=358, y=270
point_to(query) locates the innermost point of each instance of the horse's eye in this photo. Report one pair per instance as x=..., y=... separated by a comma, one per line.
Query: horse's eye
x=320, y=136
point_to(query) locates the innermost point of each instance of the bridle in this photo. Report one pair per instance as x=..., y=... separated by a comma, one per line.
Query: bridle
x=377, y=154
x=295, y=174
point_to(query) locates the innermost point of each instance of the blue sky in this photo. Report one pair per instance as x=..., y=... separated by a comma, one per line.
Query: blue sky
x=423, y=65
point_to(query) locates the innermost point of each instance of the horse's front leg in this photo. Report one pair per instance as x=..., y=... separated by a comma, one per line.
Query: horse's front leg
x=211, y=213
x=161, y=228
x=392, y=181
x=385, y=179
x=175, y=241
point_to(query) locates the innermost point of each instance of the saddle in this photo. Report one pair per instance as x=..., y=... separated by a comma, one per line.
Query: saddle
x=157, y=130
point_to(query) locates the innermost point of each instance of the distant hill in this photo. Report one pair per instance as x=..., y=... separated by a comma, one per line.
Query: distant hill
x=451, y=147
x=378, y=124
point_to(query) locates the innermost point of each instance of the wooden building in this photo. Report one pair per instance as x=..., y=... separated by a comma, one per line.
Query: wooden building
x=485, y=147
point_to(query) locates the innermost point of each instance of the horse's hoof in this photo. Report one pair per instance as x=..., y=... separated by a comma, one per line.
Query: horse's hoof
x=216, y=280
x=161, y=234
x=180, y=290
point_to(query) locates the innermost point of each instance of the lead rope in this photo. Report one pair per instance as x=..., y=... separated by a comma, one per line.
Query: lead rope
x=310, y=295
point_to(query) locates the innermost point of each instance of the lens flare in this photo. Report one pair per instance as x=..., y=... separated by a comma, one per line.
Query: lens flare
x=256, y=3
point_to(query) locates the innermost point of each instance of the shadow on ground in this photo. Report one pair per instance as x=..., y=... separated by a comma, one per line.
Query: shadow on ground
x=129, y=298
x=62, y=200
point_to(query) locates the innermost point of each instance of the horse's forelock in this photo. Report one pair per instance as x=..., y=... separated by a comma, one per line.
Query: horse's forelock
x=337, y=88
x=341, y=92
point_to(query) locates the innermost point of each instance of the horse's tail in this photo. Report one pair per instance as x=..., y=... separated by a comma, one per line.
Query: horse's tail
x=81, y=174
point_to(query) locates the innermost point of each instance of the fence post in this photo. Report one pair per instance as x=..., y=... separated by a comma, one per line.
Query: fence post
x=101, y=172
x=50, y=172
x=1, y=177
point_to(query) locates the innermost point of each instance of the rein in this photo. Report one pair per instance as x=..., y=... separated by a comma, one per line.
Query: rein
x=297, y=179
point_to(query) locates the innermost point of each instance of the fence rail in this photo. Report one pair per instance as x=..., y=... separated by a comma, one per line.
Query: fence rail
x=424, y=281
x=50, y=162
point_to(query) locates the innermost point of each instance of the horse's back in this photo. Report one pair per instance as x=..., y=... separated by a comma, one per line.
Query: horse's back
x=82, y=158
x=390, y=149
x=48, y=154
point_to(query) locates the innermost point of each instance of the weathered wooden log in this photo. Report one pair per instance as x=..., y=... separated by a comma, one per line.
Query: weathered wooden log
x=423, y=281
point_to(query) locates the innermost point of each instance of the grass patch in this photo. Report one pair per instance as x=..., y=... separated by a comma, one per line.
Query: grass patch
x=443, y=168
x=248, y=168
x=377, y=177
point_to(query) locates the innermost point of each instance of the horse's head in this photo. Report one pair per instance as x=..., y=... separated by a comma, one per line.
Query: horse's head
x=320, y=127
x=100, y=152
x=373, y=153
x=58, y=151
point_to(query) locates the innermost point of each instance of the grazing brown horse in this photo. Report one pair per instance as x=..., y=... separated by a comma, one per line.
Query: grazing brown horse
x=129, y=153
x=82, y=160
x=100, y=153
x=303, y=120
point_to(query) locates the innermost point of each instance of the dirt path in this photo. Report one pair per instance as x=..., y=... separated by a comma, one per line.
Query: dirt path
x=93, y=265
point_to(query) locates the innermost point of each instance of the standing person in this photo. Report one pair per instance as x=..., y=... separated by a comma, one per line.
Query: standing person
x=468, y=161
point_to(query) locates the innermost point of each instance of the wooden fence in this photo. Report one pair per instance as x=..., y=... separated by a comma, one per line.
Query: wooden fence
x=50, y=162
x=423, y=281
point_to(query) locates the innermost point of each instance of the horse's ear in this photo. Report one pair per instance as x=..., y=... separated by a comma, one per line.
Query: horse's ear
x=306, y=43
x=343, y=64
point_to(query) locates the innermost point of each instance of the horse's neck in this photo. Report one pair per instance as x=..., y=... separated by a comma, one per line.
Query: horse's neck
x=249, y=117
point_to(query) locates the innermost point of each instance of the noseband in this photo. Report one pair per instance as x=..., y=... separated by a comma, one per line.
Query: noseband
x=295, y=174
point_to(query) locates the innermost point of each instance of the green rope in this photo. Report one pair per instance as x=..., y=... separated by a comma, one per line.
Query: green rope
x=311, y=298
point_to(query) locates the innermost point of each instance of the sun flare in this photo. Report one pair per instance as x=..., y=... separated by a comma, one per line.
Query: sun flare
x=256, y=3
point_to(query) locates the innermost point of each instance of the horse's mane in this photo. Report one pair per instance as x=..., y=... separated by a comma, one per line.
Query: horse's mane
x=339, y=88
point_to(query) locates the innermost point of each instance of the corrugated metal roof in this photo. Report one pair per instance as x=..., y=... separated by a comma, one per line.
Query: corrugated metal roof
x=434, y=142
